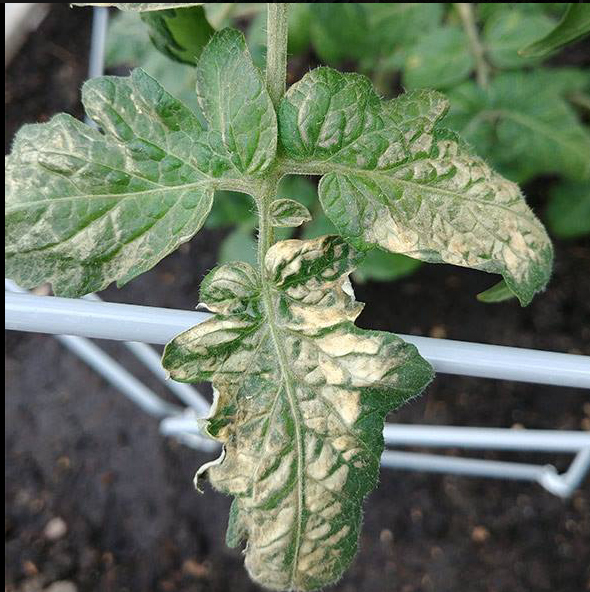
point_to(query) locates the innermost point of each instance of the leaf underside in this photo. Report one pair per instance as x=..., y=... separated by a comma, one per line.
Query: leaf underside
x=302, y=394
x=394, y=179
x=85, y=208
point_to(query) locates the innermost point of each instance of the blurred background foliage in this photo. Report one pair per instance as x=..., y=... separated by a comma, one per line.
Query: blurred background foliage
x=527, y=116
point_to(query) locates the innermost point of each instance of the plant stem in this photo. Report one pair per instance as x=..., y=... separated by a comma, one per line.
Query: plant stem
x=482, y=69
x=264, y=197
x=276, y=50
x=276, y=76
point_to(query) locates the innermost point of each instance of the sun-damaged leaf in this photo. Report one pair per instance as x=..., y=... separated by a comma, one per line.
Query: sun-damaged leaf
x=523, y=123
x=394, y=179
x=288, y=212
x=85, y=208
x=302, y=394
x=181, y=34
x=574, y=25
x=140, y=6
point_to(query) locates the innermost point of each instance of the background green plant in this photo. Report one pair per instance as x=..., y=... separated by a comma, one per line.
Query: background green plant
x=529, y=119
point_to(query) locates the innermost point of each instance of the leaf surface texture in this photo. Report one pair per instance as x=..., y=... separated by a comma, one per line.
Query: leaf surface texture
x=302, y=394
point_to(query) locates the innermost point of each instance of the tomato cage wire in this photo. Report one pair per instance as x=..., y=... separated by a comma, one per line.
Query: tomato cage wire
x=74, y=321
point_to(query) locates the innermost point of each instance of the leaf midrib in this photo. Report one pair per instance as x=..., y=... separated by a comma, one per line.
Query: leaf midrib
x=284, y=368
x=318, y=167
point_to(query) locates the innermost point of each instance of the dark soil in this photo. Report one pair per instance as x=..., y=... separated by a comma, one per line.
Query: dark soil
x=76, y=450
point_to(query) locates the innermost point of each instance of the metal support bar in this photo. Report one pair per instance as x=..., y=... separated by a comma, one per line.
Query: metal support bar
x=151, y=359
x=432, y=436
x=126, y=322
x=118, y=376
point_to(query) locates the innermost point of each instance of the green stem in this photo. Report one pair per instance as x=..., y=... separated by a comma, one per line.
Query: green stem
x=264, y=197
x=276, y=76
x=276, y=50
x=482, y=69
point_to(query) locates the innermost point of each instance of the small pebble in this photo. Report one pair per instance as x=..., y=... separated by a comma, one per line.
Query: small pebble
x=480, y=534
x=61, y=586
x=386, y=536
x=438, y=332
x=55, y=529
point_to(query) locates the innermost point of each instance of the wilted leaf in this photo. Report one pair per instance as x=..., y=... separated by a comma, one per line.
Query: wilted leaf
x=393, y=179
x=301, y=398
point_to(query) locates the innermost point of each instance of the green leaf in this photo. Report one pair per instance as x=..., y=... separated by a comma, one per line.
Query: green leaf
x=85, y=208
x=301, y=396
x=339, y=31
x=128, y=45
x=438, y=60
x=382, y=266
x=288, y=213
x=319, y=226
x=498, y=293
x=299, y=27
x=180, y=34
x=568, y=210
x=299, y=188
x=231, y=207
x=393, y=179
x=488, y=10
x=574, y=25
x=523, y=123
x=141, y=6
x=506, y=32
x=394, y=26
x=239, y=245
x=233, y=97
x=369, y=31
